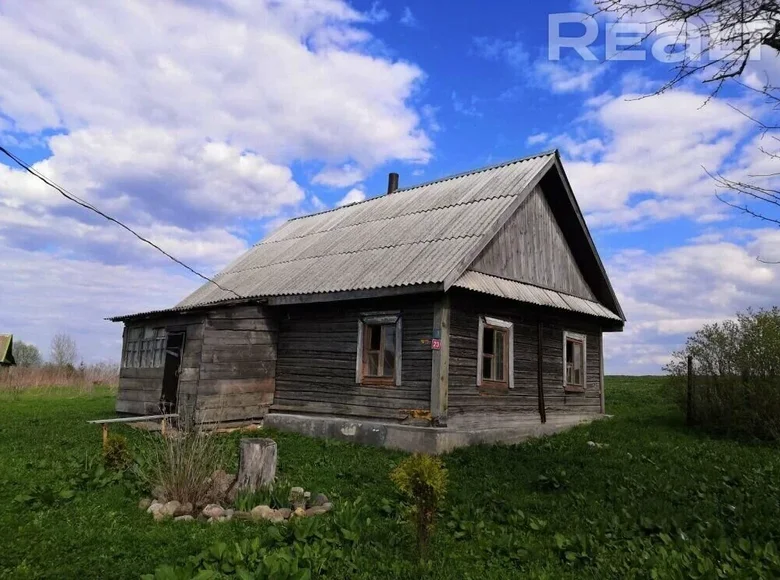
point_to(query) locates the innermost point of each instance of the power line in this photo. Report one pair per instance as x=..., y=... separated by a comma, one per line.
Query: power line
x=85, y=204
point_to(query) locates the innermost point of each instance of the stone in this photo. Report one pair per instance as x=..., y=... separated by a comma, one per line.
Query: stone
x=262, y=512
x=299, y=512
x=158, y=516
x=239, y=515
x=284, y=512
x=155, y=507
x=307, y=496
x=221, y=485
x=186, y=518
x=229, y=514
x=158, y=493
x=213, y=510
x=319, y=499
x=170, y=508
x=316, y=511
x=144, y=503
x=185, y=509
x=297, y=498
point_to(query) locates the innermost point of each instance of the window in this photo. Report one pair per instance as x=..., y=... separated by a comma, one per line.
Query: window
x=144, y=348
x=379, y=349
x=574, y=361
x=495, y=365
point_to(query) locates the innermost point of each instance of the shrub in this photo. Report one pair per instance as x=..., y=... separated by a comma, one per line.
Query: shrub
x=423, y=479
x=737, y=375
x=182, y=464
x=116, y=453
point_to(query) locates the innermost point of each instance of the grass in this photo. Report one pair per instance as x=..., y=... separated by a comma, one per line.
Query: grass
x=653, y=496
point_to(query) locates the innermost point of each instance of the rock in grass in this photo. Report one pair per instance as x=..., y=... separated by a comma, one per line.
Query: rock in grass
x=316, y=511
x=185, y=509
x=186, y=518
x=299, y=512
x=213, y=510
x=297, y=498
x=159, y=516
x=170, y=508
x=158, y=493
x=144, y=503
x=155, y=507
x=319, y=499
x=239, y=515
x=264, y=512
x=284, y=512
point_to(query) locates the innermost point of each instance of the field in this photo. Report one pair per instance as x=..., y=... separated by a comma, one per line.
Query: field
x=648, y=498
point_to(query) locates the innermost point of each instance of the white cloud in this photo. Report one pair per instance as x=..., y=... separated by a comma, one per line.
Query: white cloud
x=52, y=293
x=353, y=196
x=408, y=18
x=341, y=176
x=467, y=107
x=637, y=160
x=670, y=294
x=568, y=77
x=189, y=138
x=538, y=138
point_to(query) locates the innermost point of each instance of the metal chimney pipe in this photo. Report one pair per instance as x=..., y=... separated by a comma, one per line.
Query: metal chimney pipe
x=392, y=183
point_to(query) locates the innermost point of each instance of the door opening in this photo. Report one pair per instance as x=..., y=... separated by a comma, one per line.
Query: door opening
x=174, y=348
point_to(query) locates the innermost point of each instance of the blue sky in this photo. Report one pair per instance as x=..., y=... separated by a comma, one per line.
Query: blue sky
x=204, y=125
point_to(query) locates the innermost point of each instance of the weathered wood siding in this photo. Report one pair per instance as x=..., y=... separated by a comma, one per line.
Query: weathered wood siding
x=140, y=388
x=238, y=364
x=317, y=354
x=466, y=397
x=531, y=248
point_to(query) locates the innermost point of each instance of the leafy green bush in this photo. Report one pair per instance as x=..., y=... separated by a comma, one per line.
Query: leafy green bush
x=116, y=453
x=423, y=479
x=736, y=375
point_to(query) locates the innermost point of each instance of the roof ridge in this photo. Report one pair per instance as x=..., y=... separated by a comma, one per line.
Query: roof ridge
x=439, y=180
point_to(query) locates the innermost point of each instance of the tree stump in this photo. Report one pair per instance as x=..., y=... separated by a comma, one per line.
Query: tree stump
x=257, y=465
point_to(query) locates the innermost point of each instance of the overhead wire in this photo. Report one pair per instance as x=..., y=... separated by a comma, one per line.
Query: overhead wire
x=85, y=204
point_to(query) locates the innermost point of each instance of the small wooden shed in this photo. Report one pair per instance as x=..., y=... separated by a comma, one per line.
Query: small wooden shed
x=7, y=350
x=415, y=319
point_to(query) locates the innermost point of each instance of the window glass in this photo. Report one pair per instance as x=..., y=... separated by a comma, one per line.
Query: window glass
x=388, y=361
x=487, y=341
x=498, y=359
x=574, y=362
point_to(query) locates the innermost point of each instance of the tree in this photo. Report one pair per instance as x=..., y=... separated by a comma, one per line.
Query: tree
x=27, y=355
x=725, y=35
x=63, y=350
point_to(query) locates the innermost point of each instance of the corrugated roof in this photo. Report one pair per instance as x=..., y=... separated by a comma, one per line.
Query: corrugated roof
x=6, y=349
x=414, y=236
x=521, y=292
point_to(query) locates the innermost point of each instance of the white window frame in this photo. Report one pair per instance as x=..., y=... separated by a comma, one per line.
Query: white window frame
x=584, y=340
x=510, y=335
x=383, y=318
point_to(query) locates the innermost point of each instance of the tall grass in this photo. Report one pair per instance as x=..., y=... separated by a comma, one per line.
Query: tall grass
x=182, y=463
x=87, y=376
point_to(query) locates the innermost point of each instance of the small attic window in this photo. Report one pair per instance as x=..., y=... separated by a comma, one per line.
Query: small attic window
x=379, y=350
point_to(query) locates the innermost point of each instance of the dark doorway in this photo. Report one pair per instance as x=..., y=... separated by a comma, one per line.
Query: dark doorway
x=174, y=348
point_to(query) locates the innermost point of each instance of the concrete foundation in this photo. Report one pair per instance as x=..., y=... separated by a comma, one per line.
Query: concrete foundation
x=460, y=432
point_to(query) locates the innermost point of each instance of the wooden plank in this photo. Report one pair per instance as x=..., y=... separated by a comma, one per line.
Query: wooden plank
x=230, y=337
x=241, y=324
x=440, y=360
x=134, y=419
x=225, y=386
x=235, y=400
x=226, y=414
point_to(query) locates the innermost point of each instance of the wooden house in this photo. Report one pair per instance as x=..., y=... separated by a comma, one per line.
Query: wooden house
x=468, y=309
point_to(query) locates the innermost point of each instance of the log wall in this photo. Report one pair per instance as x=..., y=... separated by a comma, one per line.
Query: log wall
x=317, y=355
x=237, y=364
x=466, y=397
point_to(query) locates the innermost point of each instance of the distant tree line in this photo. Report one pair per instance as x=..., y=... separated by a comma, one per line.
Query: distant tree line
x=63, y=353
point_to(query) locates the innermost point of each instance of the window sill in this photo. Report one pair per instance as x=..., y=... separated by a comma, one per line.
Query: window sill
x=493, y=388
x=377, y=382
x=573, y=389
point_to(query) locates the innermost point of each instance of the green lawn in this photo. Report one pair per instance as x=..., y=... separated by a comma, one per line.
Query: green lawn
x=654, y=500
